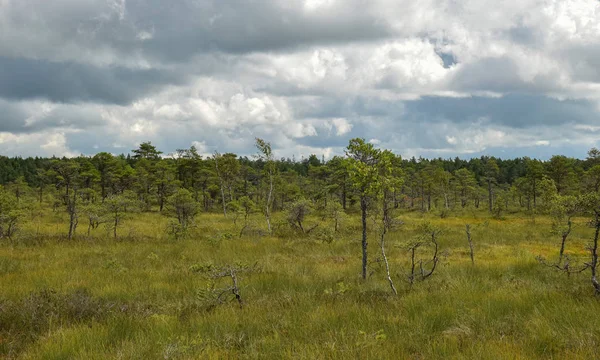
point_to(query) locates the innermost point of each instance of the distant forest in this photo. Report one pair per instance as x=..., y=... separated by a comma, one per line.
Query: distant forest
x=223, y=178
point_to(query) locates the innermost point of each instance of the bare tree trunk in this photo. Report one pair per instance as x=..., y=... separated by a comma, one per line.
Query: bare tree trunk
x=363, y=209
x=161, y=198
x=490, y=195
x=344, y=195
x=116, y=224
x=235, y=289
x=269, y=197
x=534, y=195
x=435, y=258
x=594, y=251
x=221, y=183
x=429, y=200
x=387, y=265
x=470, y=243
x=72, y=209
x=564, y=240
x=223, y=201
x=412, y=264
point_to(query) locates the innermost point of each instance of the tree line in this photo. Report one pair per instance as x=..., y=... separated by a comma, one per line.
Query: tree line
x=221, y=179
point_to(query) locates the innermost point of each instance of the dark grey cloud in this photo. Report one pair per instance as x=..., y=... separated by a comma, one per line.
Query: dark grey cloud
x=584, y=61
x=72, y=82
x=448, y=58
x=502, y=75
x=346, y=107
x=184, y=28
x=513, y=110
x=489, y=74
x=525, y=35
x=31, y=117
x=12, y=118
x=175, y=31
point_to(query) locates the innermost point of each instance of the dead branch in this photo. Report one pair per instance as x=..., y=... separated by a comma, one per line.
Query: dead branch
x=435, y=259
x=311, y=229
x=230, y=272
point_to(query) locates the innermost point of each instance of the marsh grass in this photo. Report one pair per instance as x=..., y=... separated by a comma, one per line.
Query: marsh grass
x=137, y=297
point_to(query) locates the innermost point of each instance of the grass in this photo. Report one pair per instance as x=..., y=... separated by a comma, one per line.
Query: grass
x=138, y=297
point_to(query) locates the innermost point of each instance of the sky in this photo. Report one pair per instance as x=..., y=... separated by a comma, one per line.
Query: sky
x=431, y=78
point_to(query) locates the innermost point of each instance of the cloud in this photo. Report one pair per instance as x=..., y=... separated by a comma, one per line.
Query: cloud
x=72, y=82
x=39, y=144
x=342, y=126
x=435, y=78
x=517, y=110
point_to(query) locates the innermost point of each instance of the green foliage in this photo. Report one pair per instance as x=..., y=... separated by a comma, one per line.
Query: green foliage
x=184, y=209
x=562, y=209
x=547, y=192
x=10, y=214
x=95, y=215
x=362, y=166
x=339, y=289
x=146, y=151
x=297, y=213
x=117, y=208
x=499, y=206
x=247, y=206
x=335, y=212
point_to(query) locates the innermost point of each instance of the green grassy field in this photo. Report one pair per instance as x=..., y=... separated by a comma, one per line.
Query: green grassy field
x=144, y=296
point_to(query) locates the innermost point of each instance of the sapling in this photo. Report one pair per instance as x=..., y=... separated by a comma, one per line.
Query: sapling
x=183, y=208
x=10, y=214
x=335, y=211
x=363, y=171
x=94, y=216
x=235, y=210
x=73, y=211
x=247, y=207
x=117, y=207
x=562, y=210
x=297, y=213
x=589, y=203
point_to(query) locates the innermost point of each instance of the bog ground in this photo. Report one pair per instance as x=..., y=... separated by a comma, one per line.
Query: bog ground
x=147, y=295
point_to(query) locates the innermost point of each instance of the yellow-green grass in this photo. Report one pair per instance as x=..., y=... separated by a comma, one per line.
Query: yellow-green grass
x=307, y=300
